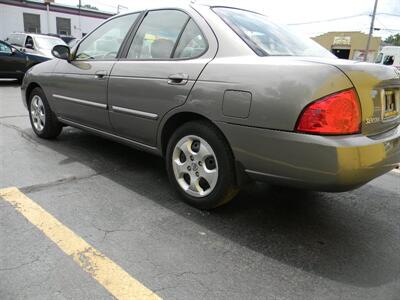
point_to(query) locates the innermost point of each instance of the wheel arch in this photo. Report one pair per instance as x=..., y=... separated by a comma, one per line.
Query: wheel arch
x=29, y=90
x=178, y=119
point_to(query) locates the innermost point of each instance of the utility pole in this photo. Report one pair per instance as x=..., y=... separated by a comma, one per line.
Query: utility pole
x=371, y=31
x=119, y=8
x=79, y=18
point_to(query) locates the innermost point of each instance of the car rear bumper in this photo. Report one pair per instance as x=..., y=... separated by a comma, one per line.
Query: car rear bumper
x=324, y=163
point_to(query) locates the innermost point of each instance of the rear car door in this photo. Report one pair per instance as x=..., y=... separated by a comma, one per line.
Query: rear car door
x=12, y=62
x=159, y=67
x=80, y=85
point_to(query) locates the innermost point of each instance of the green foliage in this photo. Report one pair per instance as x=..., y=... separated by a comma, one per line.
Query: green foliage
x=393, y=39
x=89, y=6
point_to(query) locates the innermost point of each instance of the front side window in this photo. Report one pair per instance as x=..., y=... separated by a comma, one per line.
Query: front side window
x=389, y=60
x=268, y=38
x=105, y=41
x=192, y=42
x=157, y=35
x=4, y=49
x=29, y=42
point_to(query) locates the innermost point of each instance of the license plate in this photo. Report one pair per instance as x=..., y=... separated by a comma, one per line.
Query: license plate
x=390, y=103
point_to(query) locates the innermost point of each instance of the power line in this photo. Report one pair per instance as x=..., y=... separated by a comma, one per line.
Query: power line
x=389, y=14
x=341, y=18
x=329, y=20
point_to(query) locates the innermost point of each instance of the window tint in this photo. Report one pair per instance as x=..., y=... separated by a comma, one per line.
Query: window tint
x=268, y=38
x=105, y=41
x=191, y=43
x=157, y=35
x=389, y=60
x=4, y=48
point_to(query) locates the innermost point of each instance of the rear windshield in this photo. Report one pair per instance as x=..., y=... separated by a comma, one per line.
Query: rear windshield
x=268, y=38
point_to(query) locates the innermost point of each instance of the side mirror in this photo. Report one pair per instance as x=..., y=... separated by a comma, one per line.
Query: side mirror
x=61, y=52
x=29, y=46
x=13, y=51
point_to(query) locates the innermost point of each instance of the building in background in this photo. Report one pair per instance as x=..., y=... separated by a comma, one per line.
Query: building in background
x=349, y=45
x=40, y=17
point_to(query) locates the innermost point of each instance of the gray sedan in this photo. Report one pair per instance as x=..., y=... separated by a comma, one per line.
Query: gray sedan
x=226, y=96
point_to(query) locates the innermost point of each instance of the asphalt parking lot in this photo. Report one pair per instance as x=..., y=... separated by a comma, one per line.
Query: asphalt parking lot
x=269, y=243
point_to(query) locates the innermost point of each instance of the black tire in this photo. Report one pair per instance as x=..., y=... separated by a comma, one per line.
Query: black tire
x=226, y=187
x=52, y=127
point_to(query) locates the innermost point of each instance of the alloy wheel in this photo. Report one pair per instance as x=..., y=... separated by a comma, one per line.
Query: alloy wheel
x=195, y=166
x=38, y=113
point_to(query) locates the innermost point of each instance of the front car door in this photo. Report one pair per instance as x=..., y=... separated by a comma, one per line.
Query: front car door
x=13, y=63
x=158, y=69
x=80, y=86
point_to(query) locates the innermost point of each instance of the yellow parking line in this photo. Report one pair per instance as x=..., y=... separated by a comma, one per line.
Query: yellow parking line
x=111, y=276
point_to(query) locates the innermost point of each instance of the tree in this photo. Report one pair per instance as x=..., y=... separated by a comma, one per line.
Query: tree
x=393, y=39
x=89, y=6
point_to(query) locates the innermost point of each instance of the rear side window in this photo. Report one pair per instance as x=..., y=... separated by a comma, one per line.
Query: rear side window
x=192, y=43
x=105, y=41
x=269, y=38
x=157, y=35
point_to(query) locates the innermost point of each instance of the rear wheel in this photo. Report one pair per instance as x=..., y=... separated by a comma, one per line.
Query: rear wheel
x=44, y=122
x=200, y=165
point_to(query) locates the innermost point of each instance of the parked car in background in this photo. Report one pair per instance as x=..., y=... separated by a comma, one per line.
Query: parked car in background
x=73, y=42
x=39, y=44
x=66, y=38
x=225, y=95
x=389, y=56
x=14, y=63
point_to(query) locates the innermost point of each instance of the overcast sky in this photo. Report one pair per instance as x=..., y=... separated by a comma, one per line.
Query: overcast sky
x=294, y=12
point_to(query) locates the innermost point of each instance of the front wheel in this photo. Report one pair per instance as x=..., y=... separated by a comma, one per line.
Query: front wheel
x=200, y=165
x=44, y=122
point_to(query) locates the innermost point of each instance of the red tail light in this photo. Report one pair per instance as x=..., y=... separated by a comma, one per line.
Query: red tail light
x=335, y=114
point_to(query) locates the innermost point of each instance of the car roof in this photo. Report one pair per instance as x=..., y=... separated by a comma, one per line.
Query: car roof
x=182, y=5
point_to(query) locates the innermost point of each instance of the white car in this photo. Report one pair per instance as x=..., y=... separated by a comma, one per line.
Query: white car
x=390, y=56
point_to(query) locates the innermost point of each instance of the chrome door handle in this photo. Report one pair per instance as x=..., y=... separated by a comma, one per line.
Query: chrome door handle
x=178, y=79
x=100, y=74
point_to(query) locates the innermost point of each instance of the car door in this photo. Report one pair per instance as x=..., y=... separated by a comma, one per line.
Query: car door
x=160, y=65
x=80, y=86
x=12, y=62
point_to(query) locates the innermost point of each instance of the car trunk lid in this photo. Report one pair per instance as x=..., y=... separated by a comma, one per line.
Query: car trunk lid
x=378, y=88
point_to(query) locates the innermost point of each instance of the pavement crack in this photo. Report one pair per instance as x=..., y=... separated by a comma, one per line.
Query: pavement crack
x=22, y=133
x=108, y=231
x=157, y=290
x=19, y=266
x=14, y=116
x=42, y=186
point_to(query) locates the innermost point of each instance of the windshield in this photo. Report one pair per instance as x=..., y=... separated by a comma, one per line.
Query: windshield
x=268, y=38
x=379, y=58
x=45, y=42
